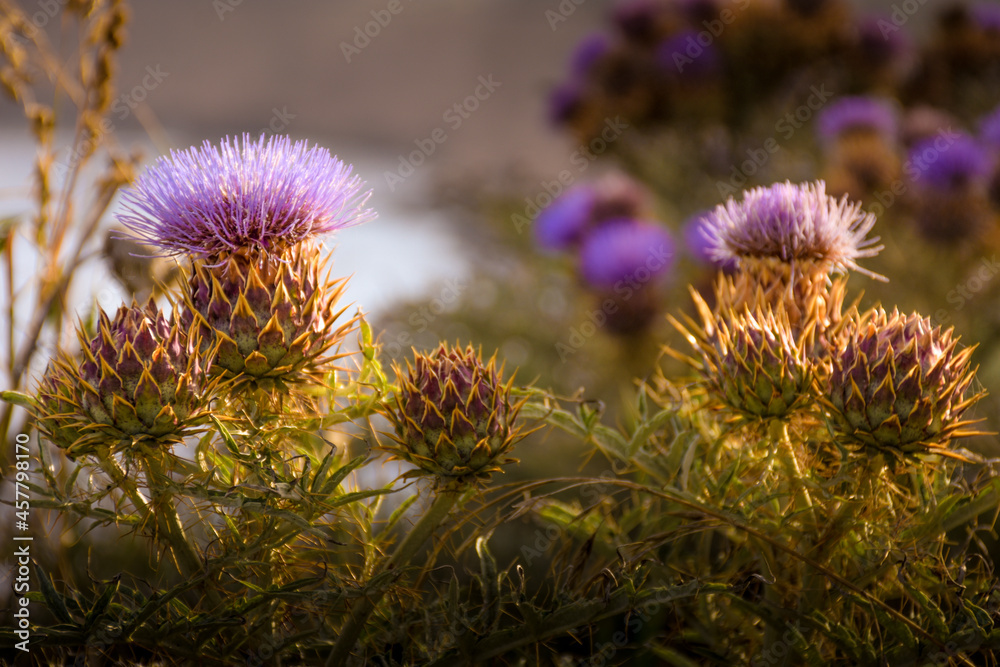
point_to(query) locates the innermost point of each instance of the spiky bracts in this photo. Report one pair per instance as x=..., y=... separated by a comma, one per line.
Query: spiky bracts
x=453, y=415
x=246, y=194
x=753, y=362
x=274, y=319
x=141, y=377
x=900, y=385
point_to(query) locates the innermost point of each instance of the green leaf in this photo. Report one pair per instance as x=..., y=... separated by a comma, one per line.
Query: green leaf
x=102, y=603
x=17, y=398
x=336, y=478
x=54, y=601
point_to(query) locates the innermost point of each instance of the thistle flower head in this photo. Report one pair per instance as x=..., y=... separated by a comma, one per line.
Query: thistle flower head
x=697, y=242
x=753, y=361
x=634, y=251
x=563, y=223
x=989, y=129
x=140, y=378
x=574, y=214
x=244, y=194
x=900, y=385
x=792, y=224
x=857, y=114
x=589, y=52
x=682, y=57
x=951, y=166
x=453, y=415
x=271, y=319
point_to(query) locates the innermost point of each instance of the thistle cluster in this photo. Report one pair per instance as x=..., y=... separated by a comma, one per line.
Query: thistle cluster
x=777, y=344
x=453, y=415
x=257, y=311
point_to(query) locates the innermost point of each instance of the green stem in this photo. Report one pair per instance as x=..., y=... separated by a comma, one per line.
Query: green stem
x=169, y=523
x=404, y=552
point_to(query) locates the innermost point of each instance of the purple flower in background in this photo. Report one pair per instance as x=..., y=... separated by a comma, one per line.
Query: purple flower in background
x=244, y=194
x=950, y=164
x=634, y=251
x=791, y=223
x=564, y=101
x=589, y=51
x=564, y=222
x=880, y=46
x=989, y=129
x=857, y=113
x=986, y=15
x=683, y=56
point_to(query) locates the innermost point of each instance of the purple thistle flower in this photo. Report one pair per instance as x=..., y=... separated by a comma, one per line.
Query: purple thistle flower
x=682, y=56
x=563, y=223
x=588, y=52
x=241, y=195
x=792, y=223
x=961, y=162
x=857, y=113
x=989, y=129
x=625, y=250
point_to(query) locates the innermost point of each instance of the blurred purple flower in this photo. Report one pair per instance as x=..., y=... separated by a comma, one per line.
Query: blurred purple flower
x=634, y=251
x=791, y=223
x=986, y=15
x=857, y=113
x=245, y=194
x=563, y=223
x=881, y=47
x=683, y=56
x=989, y=129
x=564, y=101
x=589, y=51
x=957, y=164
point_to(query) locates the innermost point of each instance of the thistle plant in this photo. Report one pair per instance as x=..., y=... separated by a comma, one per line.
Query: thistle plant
x=246, y=214
x=141, y=378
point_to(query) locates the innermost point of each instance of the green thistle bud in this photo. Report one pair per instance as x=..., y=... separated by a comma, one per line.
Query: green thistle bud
x=272, y=317
x=140, y=378
x=899, y=385
x=756, y=367
x=453, y=416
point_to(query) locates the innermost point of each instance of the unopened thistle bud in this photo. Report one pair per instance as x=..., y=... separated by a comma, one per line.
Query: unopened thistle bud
x=753, y=362
x=140, y=378
x=453, y=416
x=900, y=385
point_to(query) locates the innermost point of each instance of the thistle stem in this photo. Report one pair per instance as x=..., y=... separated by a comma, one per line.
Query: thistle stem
x=404, y=551
x=113, y=470
x=169, y=523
